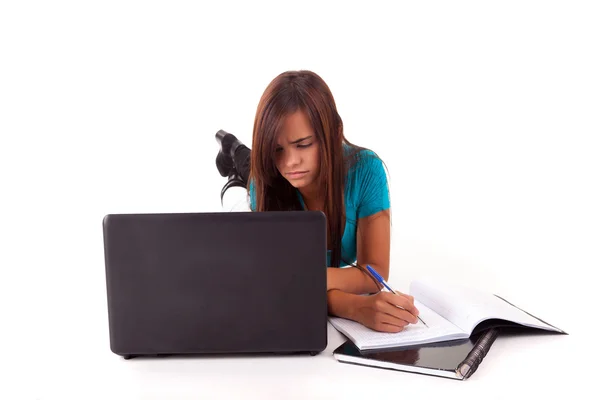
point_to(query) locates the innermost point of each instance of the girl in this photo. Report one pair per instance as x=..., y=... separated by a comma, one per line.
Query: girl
x=301, y=160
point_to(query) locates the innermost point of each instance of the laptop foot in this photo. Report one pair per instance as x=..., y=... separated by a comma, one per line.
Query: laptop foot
x=314, y=353
x=128, y=356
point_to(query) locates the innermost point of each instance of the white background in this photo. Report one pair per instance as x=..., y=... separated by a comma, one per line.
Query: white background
x=486, y=115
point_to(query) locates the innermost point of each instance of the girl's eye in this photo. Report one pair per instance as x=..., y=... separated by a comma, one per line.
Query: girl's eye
x=278, y=149
x=303, y=146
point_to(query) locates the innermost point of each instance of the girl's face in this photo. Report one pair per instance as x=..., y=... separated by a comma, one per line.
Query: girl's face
x=297, y=152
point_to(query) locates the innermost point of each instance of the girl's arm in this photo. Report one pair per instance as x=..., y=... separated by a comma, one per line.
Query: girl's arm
x=383, y=311
x=372, y=248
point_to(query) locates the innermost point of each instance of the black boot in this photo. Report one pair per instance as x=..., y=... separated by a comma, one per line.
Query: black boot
x=232, y=161
x=229, y=144
x=234, y=156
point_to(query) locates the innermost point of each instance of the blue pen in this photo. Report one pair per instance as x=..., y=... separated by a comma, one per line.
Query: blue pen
x=385, y=284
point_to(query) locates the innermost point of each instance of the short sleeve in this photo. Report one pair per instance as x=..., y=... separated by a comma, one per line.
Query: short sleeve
x=373, y=190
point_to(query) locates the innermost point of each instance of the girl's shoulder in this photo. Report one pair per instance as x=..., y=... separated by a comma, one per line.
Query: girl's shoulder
x=366, y=189
x=362, y=162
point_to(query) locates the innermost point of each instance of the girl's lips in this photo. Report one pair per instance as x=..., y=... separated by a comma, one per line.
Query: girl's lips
x=296, y=175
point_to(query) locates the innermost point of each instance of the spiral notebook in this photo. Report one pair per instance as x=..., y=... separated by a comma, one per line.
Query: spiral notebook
x=457, y=359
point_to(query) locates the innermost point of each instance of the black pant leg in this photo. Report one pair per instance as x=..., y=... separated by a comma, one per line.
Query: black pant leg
x=241, y=161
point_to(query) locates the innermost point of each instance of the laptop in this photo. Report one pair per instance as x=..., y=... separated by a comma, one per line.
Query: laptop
x=216, y=283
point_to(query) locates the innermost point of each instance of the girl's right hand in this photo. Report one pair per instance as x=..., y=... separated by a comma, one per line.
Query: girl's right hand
x=386, y=312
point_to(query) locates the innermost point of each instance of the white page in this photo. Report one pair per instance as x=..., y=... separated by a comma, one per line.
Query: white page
x=364, y=338
x=467, y=307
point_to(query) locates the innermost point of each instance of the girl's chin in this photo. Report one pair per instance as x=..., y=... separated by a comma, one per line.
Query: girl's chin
x=299, y=183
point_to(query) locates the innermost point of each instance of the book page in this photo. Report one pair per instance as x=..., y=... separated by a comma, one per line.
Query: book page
x=467, y=307
x=437, y=329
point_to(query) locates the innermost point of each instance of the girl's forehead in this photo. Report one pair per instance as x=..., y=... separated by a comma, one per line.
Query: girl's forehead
x=295, y=126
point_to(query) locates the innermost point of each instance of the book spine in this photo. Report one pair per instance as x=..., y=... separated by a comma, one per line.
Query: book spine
x=477, y=354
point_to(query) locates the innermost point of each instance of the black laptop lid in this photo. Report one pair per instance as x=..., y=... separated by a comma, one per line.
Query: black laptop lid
x=216, y=282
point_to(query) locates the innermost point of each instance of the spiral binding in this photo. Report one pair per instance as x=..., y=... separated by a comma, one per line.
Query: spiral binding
x=477, y=354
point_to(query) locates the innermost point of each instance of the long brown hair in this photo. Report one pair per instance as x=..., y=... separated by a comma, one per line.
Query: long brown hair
x=287, y=93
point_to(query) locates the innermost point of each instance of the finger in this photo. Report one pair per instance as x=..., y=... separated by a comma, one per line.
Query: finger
x=407, y=304
x=404, y=315
x=388, y=328
x=409, y=297
x=390, y=323
x=401, y=301
x=396, y=312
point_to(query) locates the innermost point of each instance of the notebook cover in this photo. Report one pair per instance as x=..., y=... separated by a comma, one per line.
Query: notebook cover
x=439, y=359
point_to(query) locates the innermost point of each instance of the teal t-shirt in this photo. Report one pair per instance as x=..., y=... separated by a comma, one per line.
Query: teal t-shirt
x=366, y=192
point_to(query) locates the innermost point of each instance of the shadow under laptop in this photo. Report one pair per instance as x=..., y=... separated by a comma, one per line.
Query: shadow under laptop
x=222, y=356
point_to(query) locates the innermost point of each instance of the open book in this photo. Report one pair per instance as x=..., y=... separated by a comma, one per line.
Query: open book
x=451, y=312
